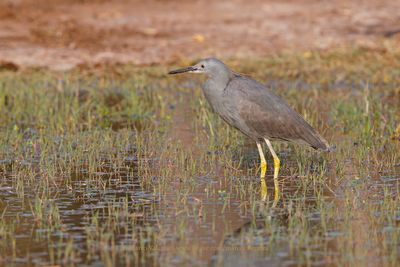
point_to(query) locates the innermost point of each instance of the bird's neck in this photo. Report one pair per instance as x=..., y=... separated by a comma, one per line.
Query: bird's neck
x=214, y=89
x=219, y=80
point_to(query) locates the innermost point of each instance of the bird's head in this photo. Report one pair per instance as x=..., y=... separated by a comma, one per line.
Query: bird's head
x=208, y=66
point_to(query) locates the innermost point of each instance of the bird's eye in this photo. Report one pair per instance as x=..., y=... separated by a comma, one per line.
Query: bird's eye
x=202, y=66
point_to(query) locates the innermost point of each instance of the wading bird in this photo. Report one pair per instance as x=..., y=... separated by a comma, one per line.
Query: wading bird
x=254, y=110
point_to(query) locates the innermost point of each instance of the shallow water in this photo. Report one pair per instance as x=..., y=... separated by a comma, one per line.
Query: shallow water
x=218, y=232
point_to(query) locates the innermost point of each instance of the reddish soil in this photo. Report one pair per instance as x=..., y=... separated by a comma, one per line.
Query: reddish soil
x=62, y=34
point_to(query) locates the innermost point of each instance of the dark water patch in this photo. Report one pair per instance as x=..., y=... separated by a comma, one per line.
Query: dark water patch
x=272, y=238
x=61, y=219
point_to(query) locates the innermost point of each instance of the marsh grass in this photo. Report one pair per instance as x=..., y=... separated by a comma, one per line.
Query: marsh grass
x=130, y=167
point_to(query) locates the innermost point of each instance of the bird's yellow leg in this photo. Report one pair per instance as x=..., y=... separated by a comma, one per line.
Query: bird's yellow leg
x=277, y=165
x=263, y=163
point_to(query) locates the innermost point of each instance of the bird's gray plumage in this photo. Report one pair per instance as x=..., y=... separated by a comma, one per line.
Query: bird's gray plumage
x=252, y=108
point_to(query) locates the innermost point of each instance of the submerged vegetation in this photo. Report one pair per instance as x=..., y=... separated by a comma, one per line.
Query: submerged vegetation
x=128, y=166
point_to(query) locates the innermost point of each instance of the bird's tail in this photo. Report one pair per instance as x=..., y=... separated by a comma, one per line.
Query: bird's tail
x=315, y=140
x=319, y=143
x=329, y=148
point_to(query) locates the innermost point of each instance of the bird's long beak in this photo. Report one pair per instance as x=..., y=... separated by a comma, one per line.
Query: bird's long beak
x=182, y=70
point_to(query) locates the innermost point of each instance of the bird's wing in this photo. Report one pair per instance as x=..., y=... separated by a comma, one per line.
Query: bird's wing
x=269, y=115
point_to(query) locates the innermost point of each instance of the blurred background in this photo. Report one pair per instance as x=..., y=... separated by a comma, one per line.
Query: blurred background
x=63, y=34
